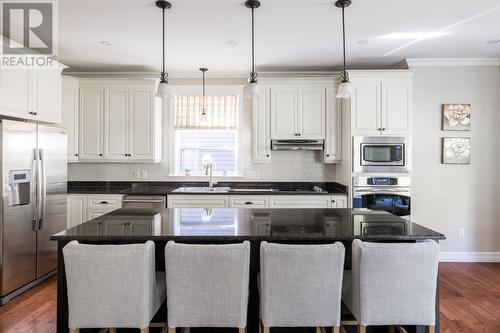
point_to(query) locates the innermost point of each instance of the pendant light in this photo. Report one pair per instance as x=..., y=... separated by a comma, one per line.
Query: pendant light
x=203, y=102
x=252, y=89
x=345, y=88
x=163, y=88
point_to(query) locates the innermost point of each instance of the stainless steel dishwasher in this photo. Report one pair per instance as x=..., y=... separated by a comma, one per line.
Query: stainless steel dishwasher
x=144, y=201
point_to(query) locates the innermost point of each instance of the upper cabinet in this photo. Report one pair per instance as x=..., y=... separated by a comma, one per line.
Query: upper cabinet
x=31, y=93
x=261, y=127
x=297, y=112
x=332, y=152
x=69, y=114
x=119, y=122
x=381, y=105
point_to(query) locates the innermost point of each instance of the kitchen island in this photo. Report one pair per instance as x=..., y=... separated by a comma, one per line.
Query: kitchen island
x=227, y=225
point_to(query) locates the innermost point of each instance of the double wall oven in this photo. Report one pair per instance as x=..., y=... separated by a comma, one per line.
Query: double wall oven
x=381, y=174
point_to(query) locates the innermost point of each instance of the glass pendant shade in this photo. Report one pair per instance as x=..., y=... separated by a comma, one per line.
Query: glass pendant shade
x=252, y=89
x=163, y=90
x=204, y=117
x=345, y=90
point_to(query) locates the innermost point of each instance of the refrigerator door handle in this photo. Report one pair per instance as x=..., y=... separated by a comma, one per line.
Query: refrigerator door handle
x=42, y=189
x=35, y=184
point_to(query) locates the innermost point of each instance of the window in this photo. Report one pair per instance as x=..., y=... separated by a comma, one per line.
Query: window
x=216, y=138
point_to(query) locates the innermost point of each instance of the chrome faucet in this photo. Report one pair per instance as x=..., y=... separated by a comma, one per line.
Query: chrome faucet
x=209, y=172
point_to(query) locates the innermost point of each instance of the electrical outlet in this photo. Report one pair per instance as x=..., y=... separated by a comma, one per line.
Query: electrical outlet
x=461, y=232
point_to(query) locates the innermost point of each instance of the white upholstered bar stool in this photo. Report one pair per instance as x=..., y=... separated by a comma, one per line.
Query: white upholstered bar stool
x=392, y=284
x=207, y=285
x=112, y=286
x=301, y=285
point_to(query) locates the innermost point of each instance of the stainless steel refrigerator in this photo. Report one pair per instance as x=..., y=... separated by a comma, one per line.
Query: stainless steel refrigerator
x=33, y=206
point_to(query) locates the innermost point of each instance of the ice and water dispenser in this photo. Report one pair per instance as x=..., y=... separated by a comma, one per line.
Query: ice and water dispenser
x=19, y=187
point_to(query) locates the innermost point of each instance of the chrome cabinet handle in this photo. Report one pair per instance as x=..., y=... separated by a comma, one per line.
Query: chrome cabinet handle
x=144, y=200
x=103, y=202
x=248, y=203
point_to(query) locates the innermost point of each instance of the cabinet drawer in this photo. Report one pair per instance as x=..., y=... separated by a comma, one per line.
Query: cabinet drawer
x=300, y=201
x=104, y=202
x=198, y=201
x=339, y=201
x=254, y=201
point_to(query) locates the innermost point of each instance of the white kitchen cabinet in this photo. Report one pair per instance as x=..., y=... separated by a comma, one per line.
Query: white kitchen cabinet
x=46, y=105
x=15, y=95
x=125, y=120
x=298, y=112
x=300, y=201
x=381, y=105
x=249, y=201
x=90, y=124
x=339, y=201
x=76, y=210
x=332, y=152
x=197, y=201
x=69, y=114
x=261, y=128
x=116, y=106
x=85, y=207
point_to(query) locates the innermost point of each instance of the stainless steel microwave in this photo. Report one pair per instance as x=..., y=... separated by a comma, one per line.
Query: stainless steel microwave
x=381, y=154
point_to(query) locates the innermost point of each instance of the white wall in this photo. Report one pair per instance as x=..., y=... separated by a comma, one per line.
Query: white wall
x=449, y=197
x=285, y=166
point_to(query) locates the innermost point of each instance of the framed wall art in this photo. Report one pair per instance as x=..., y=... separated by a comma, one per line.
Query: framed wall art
x=456, y=151
x=456, y=117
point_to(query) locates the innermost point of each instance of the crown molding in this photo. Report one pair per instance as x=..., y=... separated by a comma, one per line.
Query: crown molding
x=443, y=62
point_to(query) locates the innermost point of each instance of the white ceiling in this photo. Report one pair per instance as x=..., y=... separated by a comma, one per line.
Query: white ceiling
x=290, y=34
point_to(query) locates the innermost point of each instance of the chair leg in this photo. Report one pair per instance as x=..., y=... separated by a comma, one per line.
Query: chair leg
x=336, y=329
x=391, y=329
x=74, y=330
x=145, y=330
x=242, y=330
x=266, y=329
x=318, y=329
x=361, y=329
x=171, y=330
x=111, y=330
x=430, y=329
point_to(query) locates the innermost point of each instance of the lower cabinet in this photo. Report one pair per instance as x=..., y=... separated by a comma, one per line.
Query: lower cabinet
x=82, y=208
x=256, y=201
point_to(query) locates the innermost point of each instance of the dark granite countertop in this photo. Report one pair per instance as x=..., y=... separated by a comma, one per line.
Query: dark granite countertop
x=165, y=188
x=228, y=224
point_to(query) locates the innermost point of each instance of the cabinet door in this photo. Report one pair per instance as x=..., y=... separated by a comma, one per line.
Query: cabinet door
x=91, y=124
x=300, y=201
x=311, y=113
x=333, y=137
x=197, y=201
x=339, y=201
x=77, y=210
x=261, y=130
x=366, y=107
x=116, y=105
x=15, y=92
x=141, y=129
x=284, y=113
x=396, y=108
x=69, y=115
x=47, y=95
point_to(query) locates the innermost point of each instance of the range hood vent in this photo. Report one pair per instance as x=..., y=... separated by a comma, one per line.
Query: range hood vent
x=297, y=144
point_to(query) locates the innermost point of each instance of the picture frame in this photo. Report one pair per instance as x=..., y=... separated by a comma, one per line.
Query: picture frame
x=456, y=117
x=456, y=150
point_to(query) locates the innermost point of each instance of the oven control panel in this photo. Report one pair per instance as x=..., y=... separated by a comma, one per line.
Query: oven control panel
x=381, y=181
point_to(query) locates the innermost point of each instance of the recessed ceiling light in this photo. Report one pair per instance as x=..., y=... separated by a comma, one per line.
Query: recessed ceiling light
x=493, y=41
x=232, y=42
x=415, y=35
x=105, y=43
x=363, y=41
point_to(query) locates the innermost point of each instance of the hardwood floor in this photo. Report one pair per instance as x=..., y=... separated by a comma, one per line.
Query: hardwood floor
x=470, y=302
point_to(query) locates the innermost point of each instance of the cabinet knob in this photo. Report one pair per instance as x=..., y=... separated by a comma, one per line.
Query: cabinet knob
x=35, y=113
x=333, y=200
x=100, y=155
x=327, y=155
x=103, y=202
x=76, y=154
x=383, y=129
x=267, y=155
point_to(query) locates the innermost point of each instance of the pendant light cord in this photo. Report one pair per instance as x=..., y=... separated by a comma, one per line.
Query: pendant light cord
x=163, y=71
x=344, y=75
x=253, y=43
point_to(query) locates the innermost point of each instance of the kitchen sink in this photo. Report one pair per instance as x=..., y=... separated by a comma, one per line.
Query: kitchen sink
x=202, y=189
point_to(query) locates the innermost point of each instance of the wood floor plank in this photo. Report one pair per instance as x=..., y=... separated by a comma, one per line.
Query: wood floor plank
x=469, y=292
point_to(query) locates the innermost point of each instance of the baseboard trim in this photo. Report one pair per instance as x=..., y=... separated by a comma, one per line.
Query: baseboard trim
x=469, y=257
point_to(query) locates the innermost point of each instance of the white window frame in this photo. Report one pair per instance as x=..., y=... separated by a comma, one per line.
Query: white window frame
x=232, y=90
